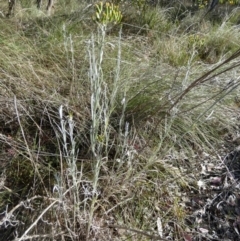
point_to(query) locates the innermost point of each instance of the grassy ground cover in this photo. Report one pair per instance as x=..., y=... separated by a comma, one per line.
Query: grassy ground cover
x=105, y=132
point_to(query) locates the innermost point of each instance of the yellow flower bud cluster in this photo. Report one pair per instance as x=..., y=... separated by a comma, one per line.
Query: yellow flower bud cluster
x=106, y=13
x=202, y=3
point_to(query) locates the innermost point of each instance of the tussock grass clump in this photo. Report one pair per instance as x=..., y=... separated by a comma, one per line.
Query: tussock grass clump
x=103, y=131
